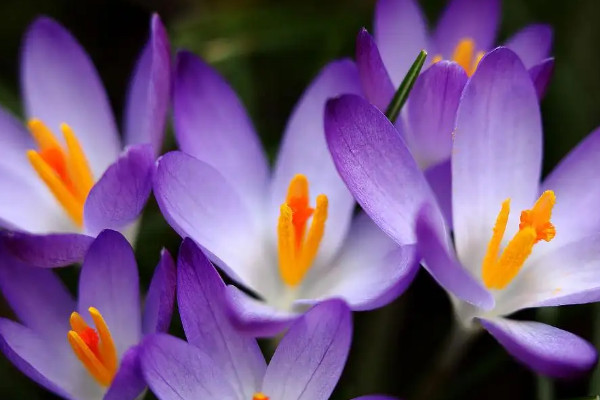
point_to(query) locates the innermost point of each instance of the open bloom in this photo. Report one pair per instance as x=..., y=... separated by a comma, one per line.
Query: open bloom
x=517, y=243
x=67, y=175
x=306, y=365
x=85, y=349
x=289, y=238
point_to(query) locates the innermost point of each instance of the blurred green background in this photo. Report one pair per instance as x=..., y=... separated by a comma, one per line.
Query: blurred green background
x=269, y=51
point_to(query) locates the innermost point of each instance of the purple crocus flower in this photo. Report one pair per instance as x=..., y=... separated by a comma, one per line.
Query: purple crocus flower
x=263, y=231
x=499, y=263
x=55, y=344
x=464, y=33
x=218, y=362
x=59, y=194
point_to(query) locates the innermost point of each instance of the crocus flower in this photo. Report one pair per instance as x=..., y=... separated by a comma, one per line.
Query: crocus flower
x=85, y=349
x=270, y=233
x=59, y=191
x=218, y=362
x=465, y=32
x=498, y=263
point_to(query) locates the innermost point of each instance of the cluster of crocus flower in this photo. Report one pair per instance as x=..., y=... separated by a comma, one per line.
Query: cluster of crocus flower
x=452, y=184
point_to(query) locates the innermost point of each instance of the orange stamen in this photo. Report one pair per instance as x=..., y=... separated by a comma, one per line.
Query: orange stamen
x=298, y=249
x=95, y=348
x=64, y=170
x=498, y=271
x=464, y=55
x=259, y=396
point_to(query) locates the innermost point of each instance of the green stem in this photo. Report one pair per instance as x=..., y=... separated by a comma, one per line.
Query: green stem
x=405, y=87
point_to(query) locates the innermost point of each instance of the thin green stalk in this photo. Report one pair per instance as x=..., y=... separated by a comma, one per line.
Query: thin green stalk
x=405, y=87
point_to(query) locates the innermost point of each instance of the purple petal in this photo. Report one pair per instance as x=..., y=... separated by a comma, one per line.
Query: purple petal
x=211, y=124
x=431, y=112
x=109, y=282
x=541, y=74
x=311, y=356
x=375, y=163
x=443, y=266
x=497, y=152
x=52, y=365
x=120, y=195
x=60, y=84
x=575, y=183
x=254, y=317
x=36, y=296
x=569, y=274
x=197, y=201
x=371, y=271
x=201, y=299
x=14, y=143
x=532, y=44
x=439, y=178
x=543, y=348
x=129, y=382
x=467, y=19
x=161, y=296
x=374, y=78
x=176, y=370
x=304, y=151
x=400, y=33
x=149, y=90
x=47, y=251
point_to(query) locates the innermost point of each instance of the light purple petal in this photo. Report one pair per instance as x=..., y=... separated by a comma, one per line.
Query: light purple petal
x=47, y=251
x=36, y=296
x=60, y=84
x=371, y=270
x=201, y=299
x=541, y=74
x=376, y=82
x=497, y=152
x=310, y=358
x=149, y=90
x=254, y=317
x=197, y=201
x=543, y=348
x=439, y=178
x=27, y=204
x=109, y=282
x=467, y=19
x=120, y=195
x=176, y=370
x=443, y=266
x=569, y=274
x=532, y=44
x=211, y=124
x=129, y=382
x=400, y=33
x=431, y=112
x=304, y=151
x=52, y=365
x=161, y=296
x=375, y=163
x=14, y=143
x=575, y=183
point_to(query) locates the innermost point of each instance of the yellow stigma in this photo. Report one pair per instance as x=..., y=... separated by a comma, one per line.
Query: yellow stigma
x=64, y=170
x=297, y=248
x=95, y=348
x=498, y=271
x=464, y=55
x=259, y=396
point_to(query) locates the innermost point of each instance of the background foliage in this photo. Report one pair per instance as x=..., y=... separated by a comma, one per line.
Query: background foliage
x=269, y=50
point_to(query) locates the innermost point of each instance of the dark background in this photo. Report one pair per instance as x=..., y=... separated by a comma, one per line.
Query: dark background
x=269, y=51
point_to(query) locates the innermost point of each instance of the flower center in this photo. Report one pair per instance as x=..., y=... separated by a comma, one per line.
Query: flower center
x=259, y=396
x=465, y=56
x=499, y=271
x=95, y=348
x=298, y=248
x=64, y=170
